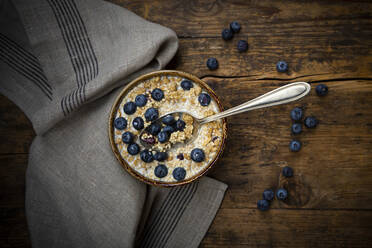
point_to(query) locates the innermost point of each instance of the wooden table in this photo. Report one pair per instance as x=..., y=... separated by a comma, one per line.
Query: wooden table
x=329, y=42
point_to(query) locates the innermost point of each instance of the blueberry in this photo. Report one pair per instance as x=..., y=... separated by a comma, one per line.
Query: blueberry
x=138, y=123
x=242, y=46
x=157, y=94
x=120, y=123
x=154, y=128
x=141, y=100
x=295, y=145
x=204, y=99
x=212, y=64
x=180, y=156
x=296, y=114
x=179, y=173
x=180, y=124
x=296, y=128
x=311, y=122
x=163, y=137
x=227, y=34
x=146, y=156
x=235, y=26
x=133, y=149
x=282, y=194
x=197, y=155
x=160, y=156
x=161, y=171
x=321, y=90
x=268, y=194
x=127, y=137
x=168, y=129
x=151, y=114
x=263, y=205
x=130, y=108
x=168, y=120
x=186, y=84
x=281, y=66
x=287, y=171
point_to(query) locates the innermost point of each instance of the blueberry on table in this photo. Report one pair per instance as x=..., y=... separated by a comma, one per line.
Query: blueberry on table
x=180, y=125
x=321, y=90
x=168, y=120
x=138, y=123
x=168, y=129
x=130, y=108
x=146, y=156
x=282, y=194
x=133, y=149
x=151, y=114
x=204, y=99
x=311, y=122
x=161, y=171
x=296, y=114
x=295, y=145
x=268, y=194
x=227, y=34
x=212, y=64
x=163, y=137
x=160, y=156
x=157, y=94
x=242, y=46
x=287, y=171
x=197, y=155
x=296, y=128
x=186, y=84
x=235, y=26
x=140, y=100
x=281, y=66
x=263, y=205
x=179, y=173
x=127, y=137
x=120, y=123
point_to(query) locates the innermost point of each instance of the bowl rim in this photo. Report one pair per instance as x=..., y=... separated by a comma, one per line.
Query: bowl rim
x=111, y=129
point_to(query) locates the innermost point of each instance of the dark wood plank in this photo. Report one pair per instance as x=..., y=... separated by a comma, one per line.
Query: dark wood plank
x=12, y=180
x=334, y=167
x=13, y=227
x=326, y=38
x=289, y=228
x=16, y=132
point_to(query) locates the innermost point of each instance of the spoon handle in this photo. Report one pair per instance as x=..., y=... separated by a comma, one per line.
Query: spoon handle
x=282, y=95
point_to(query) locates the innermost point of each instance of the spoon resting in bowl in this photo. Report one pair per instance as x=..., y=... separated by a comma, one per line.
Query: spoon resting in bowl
x=285, y=94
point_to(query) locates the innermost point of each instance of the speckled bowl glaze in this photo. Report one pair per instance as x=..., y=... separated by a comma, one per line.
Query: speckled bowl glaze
x=116, y=105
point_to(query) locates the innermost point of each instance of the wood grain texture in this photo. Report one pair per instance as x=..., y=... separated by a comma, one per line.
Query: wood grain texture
x=330, y=203
x=289, y=228
x=329, y=39
x=333, y=170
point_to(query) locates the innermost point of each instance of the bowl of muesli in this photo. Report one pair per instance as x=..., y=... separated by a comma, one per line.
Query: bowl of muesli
x=160, y=152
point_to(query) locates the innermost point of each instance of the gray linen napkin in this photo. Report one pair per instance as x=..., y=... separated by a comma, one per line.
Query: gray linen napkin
x=63, y=62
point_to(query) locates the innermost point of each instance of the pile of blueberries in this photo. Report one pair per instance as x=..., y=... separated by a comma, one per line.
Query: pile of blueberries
x=268, y=194
x=162, y=132
x=295, y=145
x=228, y=34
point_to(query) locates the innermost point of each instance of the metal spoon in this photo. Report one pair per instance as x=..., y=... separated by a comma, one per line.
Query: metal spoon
x=285, y=94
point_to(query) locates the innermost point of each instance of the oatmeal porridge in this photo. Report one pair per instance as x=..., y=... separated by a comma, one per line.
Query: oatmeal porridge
x=136, y=123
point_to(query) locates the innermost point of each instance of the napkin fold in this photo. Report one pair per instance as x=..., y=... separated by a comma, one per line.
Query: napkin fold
x=63, y=62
